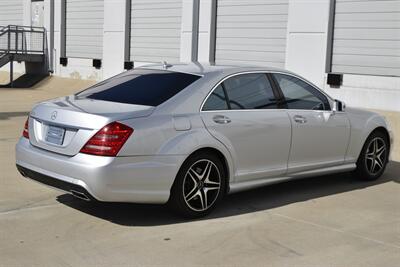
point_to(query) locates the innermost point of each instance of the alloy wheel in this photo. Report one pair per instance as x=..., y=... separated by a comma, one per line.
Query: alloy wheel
x=201, y=185
x=375, y=158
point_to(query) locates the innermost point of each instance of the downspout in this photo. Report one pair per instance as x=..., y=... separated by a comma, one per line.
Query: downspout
x=51, y=69
x=195, y=30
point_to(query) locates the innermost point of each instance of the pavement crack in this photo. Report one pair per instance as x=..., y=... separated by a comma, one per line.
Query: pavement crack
x=336, y=230
x=27, y=208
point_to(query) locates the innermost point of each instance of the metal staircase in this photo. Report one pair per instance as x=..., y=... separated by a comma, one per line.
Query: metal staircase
x=23, y=44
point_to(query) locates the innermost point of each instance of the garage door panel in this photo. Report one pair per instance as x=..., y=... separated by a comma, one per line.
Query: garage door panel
x=367, y=6
x=150, y=12
x=251, y=47
x=154, y=51
x=155, y=45
x=387, y=44
x=151, y=40
x=368, y=70
x=245, y=61
x=88, y=26
x=84, y=32
x=377, y=16
x=84, y=28
x=155, y=2
x=253, y=25
x=384, y=24
x=368, y=34
x=159, y=26
x=254, y=55
x=158, y=5
x=155, y=30
x=244, y=42
x=84, y=16
x=153, y=58
x=366, y=37
x=251, y=32
x=89, y=41
x=253, y=9
x=11, y=12
x=366, y=51
x=254, y=18
x=368, y=61
x=246, y=2
x=161, y=20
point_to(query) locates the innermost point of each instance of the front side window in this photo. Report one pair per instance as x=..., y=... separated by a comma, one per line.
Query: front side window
x=246, y=91
x=140, y=87
x=301, y=95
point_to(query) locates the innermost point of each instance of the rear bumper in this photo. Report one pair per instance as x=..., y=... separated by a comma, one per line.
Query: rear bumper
x=137, y=179
x=67, y=187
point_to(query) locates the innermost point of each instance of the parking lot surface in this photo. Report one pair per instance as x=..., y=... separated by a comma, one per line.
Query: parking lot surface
x=322, y=221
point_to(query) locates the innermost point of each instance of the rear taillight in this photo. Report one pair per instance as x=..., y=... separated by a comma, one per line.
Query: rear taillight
x=108, y=140
x=25, y=132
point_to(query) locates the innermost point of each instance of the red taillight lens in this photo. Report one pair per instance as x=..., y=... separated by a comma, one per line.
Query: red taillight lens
x=25, y=132
x=108, y=140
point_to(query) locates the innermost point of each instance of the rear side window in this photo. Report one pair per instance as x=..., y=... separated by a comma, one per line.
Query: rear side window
x=250, y=91
x=217, y=100
x=140, y=87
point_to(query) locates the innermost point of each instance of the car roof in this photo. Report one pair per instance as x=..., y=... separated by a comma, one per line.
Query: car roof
x=204, y=69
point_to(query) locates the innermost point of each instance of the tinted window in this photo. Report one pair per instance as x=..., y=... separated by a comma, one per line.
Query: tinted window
x=250, y=91
x=217, y=100
x=301, y=95
x=141, y=87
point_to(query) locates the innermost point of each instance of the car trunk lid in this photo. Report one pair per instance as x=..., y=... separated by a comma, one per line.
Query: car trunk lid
x=64, y=125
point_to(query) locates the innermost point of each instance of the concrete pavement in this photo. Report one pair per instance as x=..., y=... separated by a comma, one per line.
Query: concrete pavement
x=322, y=221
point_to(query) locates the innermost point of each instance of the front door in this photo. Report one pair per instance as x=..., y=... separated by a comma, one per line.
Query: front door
x=37, y=13
x=319, y=136
x=242, y=113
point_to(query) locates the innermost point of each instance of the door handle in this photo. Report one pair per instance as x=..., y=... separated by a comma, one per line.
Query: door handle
x=299, y=119
x=221, y=119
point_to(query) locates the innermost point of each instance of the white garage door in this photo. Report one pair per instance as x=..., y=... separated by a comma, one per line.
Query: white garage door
x=367, y=37
x=11, y=12
x=84, y=28
x=251, y=32
x=156, y=30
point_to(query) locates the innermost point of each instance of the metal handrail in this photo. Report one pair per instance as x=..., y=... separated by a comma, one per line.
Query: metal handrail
x=17, y=37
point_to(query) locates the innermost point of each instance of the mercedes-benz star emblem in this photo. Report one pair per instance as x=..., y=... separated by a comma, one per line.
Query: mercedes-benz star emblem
x=54, y=115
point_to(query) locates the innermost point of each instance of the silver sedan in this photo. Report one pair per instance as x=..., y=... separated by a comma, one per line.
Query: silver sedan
x=187, y=135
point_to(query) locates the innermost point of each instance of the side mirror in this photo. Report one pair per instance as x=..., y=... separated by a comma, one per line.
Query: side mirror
x=339, y=106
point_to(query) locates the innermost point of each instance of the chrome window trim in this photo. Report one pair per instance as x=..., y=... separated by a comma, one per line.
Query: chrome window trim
x=224, y=79
x=330, y=99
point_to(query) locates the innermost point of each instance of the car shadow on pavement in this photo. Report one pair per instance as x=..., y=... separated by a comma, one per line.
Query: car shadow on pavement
x=259, y=199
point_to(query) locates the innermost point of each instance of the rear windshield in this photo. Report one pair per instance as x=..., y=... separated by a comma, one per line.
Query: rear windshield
x=140, y=87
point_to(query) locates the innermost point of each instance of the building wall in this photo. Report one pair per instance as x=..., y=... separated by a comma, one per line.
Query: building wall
x=251, y=32
x=84, y=28
x=11, y=12
x=366, y=49
x=307, y=49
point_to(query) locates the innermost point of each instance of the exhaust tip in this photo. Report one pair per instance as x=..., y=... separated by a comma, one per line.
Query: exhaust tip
x=80, y=195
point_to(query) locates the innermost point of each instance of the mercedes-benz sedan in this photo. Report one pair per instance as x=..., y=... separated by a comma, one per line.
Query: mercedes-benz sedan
x=190, y=134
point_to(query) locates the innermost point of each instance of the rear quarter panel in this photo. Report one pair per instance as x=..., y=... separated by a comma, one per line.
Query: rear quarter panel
x=163, y=135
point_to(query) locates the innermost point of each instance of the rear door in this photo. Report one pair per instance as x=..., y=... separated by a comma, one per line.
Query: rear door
x=242, y=113
x=319, y=135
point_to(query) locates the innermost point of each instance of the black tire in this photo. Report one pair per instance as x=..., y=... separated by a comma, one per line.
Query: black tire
x=185, y=183
x=365, y=170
